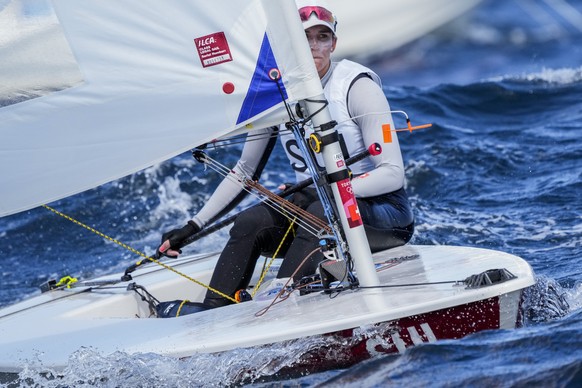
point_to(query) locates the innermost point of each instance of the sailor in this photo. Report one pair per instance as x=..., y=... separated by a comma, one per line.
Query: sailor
x=355, y=97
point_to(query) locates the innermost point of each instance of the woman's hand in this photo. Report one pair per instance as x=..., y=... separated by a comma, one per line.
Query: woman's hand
x=173, y=240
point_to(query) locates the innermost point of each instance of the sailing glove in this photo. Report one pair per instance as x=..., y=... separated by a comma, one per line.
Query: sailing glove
x=172, y=240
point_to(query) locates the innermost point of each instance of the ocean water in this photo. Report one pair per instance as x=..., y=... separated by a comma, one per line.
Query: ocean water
x=501, y=168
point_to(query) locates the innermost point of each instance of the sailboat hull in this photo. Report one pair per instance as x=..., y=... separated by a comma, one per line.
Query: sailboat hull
x=419, y=302
x=345, y=348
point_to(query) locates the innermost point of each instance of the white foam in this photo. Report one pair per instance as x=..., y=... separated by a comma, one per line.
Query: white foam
x=86, y=367
x=562, y=76
x=173, y=201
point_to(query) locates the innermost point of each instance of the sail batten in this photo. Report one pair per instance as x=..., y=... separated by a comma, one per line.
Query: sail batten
x=159, y=78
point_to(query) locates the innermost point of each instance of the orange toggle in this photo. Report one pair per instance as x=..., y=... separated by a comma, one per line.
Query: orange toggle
x=411, y=128
x=387, y=130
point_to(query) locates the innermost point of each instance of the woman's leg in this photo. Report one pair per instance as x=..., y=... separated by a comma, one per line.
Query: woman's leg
x=388, y=220
x=304, y=243
x=256, y=230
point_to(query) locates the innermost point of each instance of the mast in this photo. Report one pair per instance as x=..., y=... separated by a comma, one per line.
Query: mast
x=343, y=196
x=334, y=162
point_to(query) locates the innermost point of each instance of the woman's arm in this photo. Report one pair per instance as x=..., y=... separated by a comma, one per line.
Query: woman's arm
x=367, y=98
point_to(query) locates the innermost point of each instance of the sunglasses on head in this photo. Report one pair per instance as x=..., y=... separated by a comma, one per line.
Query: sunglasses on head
x=322, y=14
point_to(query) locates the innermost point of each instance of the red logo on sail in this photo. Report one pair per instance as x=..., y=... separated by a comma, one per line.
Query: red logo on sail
x=213, y=49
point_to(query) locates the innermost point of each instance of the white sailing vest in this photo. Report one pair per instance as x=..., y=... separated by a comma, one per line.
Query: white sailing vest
x=336, y=92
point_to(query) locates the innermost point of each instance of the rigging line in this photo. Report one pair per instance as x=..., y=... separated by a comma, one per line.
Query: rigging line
x=145, y=296
x=86, y=287
x=97, y=285
x=324, y=192
x=324, y=104
x=281, y=296
x=249, y=136
x=378, y=113
x=266, y=267
x=152, y=259
x=68, y=295
x=409, y=126
x=275, y=202
x=287, y=107
x=456, y=282
x=373, y=114
x=184, y=262
x=285, y=193
x=241, y=139
x=291, y=207
x=95, y=231
x=307, y=221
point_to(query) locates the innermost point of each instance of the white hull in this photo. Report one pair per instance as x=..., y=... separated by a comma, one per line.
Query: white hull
x=114, y=319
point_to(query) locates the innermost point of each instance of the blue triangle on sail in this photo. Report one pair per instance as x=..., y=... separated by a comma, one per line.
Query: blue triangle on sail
x=263, y=92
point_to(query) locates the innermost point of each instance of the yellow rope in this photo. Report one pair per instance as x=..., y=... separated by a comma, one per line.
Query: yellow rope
x=180, y=308
x=138, y=253
x=264, y=273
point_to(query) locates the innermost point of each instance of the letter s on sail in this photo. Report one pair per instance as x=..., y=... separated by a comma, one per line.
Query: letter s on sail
x=297, y=161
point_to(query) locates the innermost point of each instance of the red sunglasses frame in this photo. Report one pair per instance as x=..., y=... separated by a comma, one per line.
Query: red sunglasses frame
x=322, y=14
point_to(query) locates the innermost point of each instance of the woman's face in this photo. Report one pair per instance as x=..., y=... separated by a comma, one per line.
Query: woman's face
x=322, y=43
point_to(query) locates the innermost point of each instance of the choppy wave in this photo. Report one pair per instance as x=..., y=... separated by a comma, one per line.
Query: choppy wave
x=268, y=363
x=563, y=76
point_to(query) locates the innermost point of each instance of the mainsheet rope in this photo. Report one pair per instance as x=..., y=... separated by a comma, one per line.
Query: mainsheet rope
x=158, y=262
x=68, y=281
x=306, y=220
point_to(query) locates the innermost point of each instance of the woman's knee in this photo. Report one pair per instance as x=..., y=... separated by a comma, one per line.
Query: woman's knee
x=316, y=208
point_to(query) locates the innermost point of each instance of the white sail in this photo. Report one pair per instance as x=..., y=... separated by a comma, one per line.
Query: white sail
x=30, y=37
x=34, y=55
x=159, y=78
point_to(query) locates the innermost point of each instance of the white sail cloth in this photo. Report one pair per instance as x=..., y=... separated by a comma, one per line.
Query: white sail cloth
x=159, y=78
